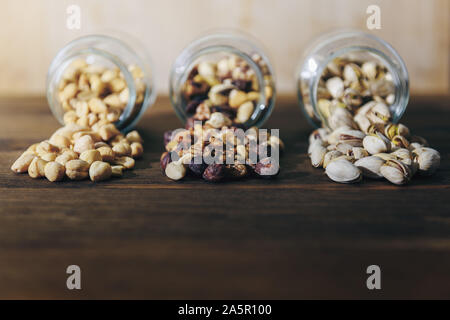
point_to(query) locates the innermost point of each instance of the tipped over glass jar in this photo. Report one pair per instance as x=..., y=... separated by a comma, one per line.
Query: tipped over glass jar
x=221, y=85
x=354, y=87
x=98, y=87
x=226, y=73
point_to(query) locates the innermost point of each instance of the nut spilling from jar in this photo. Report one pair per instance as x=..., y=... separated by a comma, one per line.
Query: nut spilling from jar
x=358, y=138
x=228, y=86
x=220, y=153
x=89, y=145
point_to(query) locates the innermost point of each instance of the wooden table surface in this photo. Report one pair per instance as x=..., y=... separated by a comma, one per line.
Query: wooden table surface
x=299, y=236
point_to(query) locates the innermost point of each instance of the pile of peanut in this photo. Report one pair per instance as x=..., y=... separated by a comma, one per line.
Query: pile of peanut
x=89, y=145
x=235, y=157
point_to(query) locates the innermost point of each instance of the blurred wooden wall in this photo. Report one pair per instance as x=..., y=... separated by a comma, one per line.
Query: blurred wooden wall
x=31, y=32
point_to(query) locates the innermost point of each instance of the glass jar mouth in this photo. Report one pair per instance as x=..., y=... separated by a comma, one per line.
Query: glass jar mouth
x=316, y=62
x=92, y=52
x=185, y=70
x=103, y=47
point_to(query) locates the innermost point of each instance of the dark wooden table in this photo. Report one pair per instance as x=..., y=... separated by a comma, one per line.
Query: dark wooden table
x=299, y=236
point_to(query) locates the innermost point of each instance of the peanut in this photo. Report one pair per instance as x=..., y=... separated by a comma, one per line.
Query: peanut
x=77, y=169
x=117, y=171
x=100, y=171
x=66, y=156
x=106, y=153
x=108, y=131
x=122, y=149
x=90, y=156
x=54, y=171
x=126, y=162
x=83, y=143
x=136, y=150
x=134, y=136
x=23, y=162
x=36, y=168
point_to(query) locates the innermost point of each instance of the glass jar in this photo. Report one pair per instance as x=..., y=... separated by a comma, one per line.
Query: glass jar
x=243, y=54
x=351, y=46
x=118, y=73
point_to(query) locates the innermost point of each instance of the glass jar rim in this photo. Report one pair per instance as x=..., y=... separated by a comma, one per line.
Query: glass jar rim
x=186, y=61
x=64, y=58
x=401, y=84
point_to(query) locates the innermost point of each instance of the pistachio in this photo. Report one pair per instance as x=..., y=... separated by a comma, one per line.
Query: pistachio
x=175, y=170
x=343, y=171
x=376, y=143
x=396, y=172
x=330, y=156
x=370, y=167
x=358, y=153
x=351, y=137
x=335, y=86
x=317, y=156
x=428, y=160
x=341, y=117
x=379, y=113
x=318, y=134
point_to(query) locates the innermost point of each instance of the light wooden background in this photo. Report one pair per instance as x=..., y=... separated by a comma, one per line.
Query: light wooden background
x=31, y=32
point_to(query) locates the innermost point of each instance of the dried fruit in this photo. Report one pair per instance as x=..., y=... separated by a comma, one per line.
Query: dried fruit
x=214, y=173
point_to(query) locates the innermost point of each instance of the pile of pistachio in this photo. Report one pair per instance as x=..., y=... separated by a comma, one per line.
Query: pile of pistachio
x=89, y=145
x=229, y=86
x=239, y=156
x=221, y=97
x=358, y=138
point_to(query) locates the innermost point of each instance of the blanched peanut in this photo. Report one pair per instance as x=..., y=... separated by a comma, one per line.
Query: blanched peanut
x=33, y=147
x=117, y=171
x=117, y=139
x=70, y=117
x=60, y=141
x=108, y=131
x=84, y=143
x=126, y=162
x=36, y=168
x=46, y=147
x=106, y=153
x=122, y=149
x=134, y=136
x=49, y=156
x=90, y=156
x=97, y=106
x=136, y=149
x=100, y=144
x=100, y=171
x=23, y=162
x=68, y=92
x=66, y=156
x=54, y=171
x=94, y=135
x=77, y=169
x=117, y=85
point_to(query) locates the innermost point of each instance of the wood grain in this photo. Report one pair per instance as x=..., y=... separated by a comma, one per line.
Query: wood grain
x=299, y=236
x=418, y=29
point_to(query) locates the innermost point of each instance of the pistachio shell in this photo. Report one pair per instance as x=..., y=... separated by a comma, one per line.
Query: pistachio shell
x=343, y=171
x=428, y=160
x=396, y=172
x=317, y=156
x=330, y=156
x=370, y=166
x=376, y=143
